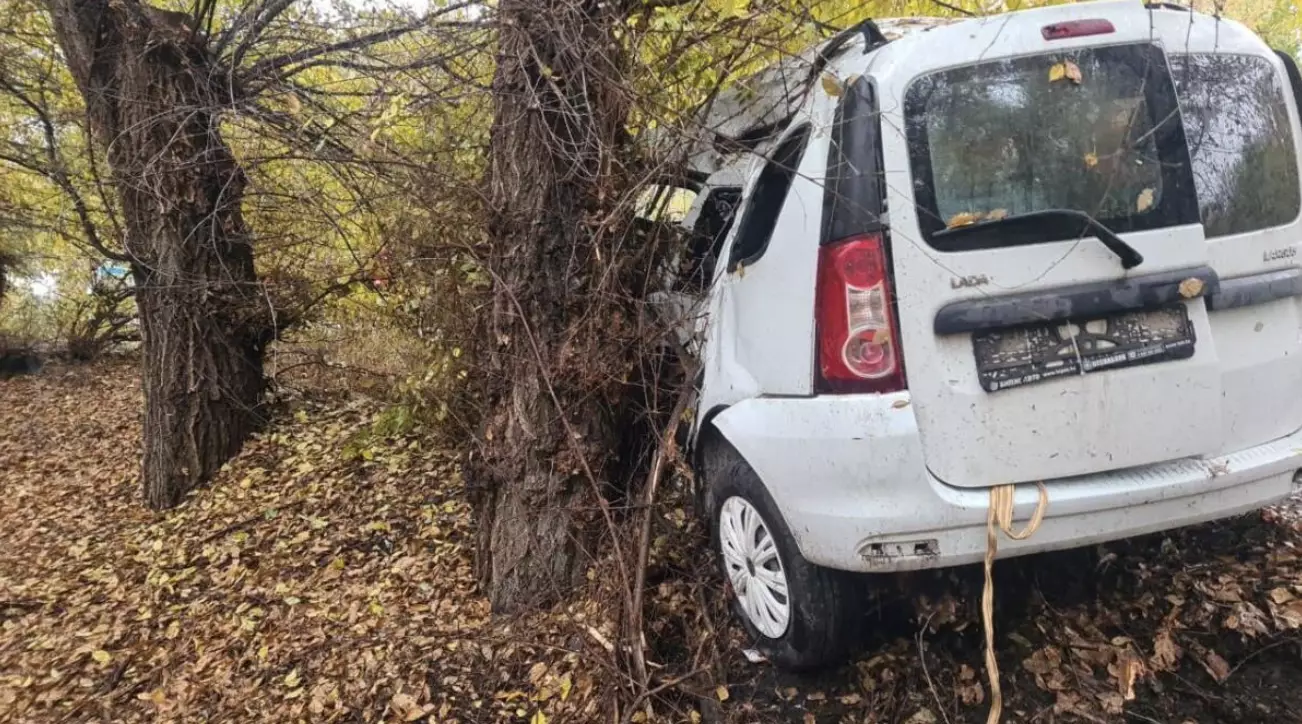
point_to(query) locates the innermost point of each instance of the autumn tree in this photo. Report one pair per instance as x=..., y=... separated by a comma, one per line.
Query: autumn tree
x=558, y=131
x=578, y=87
x=154, y=96
x=567, y=344
x=158, y=86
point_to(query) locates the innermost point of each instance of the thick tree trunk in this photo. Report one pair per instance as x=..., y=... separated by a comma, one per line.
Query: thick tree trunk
x=558, y=365
x=153, y=94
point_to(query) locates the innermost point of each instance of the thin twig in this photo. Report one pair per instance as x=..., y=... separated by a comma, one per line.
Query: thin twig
x=922, y=656
x=665, y=455
x=955, y=8
x=248, y=522
x=1257, y=653
x=643, y=697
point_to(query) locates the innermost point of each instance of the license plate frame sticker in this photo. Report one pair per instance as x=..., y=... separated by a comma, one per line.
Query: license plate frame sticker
x=1019, y=356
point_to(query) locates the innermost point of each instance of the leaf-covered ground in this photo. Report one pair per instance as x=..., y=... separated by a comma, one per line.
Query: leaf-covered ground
x=327, y=576
x=319, y=578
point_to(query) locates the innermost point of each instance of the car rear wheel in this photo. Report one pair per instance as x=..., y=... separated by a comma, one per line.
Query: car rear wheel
x=800, y=616
x=754, y=567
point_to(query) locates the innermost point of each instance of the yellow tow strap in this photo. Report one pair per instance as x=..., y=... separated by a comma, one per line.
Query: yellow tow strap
x=1000, y=518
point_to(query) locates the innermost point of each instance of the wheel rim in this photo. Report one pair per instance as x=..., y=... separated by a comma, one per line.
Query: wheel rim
x=750, y=557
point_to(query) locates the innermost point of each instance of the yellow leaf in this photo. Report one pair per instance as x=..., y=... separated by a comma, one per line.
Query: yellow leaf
x=1091, y=160
x=734, y=8
x=566, y=686
x=1145, y=201
x=1057, y=72
x=1190, y=288
x=509, y=695
x=538, y=718
x=291, y=679
x=173, y=629
x=831, y=85
x=722, y=693
x=965, y=218
x=101, y=656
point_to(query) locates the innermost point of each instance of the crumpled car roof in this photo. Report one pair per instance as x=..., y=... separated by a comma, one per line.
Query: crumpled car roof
x=754, y=103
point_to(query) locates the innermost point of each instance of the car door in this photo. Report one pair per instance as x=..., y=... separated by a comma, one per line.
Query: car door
x=759, y=337
x=1035, y=348
x=1241, y=118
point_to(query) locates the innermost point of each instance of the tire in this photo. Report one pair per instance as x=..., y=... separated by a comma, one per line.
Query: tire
x=822, y=606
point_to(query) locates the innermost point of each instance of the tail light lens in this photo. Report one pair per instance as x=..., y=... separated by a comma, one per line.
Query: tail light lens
x=858, y=340
x=1077, y=29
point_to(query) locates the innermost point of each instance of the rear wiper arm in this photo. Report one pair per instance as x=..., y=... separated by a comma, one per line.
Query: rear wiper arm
x=1130, y=257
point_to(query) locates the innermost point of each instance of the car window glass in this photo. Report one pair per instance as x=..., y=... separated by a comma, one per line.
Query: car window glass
x=1092, y=130
x=767, y=198
x=1240, y=142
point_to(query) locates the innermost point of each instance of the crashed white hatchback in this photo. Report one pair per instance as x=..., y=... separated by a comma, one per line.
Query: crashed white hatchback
x=1056, y=246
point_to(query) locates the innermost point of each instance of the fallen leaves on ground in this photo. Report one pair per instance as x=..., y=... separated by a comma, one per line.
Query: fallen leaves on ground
x=302, y=584
x=1164, y=628
x=327, y=576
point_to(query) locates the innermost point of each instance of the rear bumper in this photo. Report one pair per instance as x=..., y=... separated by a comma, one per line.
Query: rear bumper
x=848, y=474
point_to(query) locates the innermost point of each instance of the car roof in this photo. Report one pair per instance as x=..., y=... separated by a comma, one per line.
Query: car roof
x=1020, y=33
x=755, y=108
x=771, y=95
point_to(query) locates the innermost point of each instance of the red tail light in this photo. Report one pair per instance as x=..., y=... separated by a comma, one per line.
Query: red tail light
x=858, y=340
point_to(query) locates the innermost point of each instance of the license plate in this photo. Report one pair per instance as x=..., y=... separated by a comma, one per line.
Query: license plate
x=1020, y=356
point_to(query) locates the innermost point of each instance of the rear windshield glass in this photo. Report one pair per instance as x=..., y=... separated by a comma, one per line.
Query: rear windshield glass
x=1240, y=140
x=1093, y=130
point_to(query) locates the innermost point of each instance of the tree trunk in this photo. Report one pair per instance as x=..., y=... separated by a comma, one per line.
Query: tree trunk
x=558, y=359
x=154, y=94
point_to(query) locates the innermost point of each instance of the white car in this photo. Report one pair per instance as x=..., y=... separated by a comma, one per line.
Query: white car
x=1058, y=246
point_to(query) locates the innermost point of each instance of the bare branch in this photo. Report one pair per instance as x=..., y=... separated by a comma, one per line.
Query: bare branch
x=954, y=8
x=271, y=64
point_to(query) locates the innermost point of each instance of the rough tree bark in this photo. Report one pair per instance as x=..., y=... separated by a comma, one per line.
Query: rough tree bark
x=153, y=94
x=556, y=361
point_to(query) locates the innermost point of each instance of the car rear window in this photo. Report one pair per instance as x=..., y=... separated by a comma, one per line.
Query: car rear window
x=1094, y=130
x=1240, y=140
